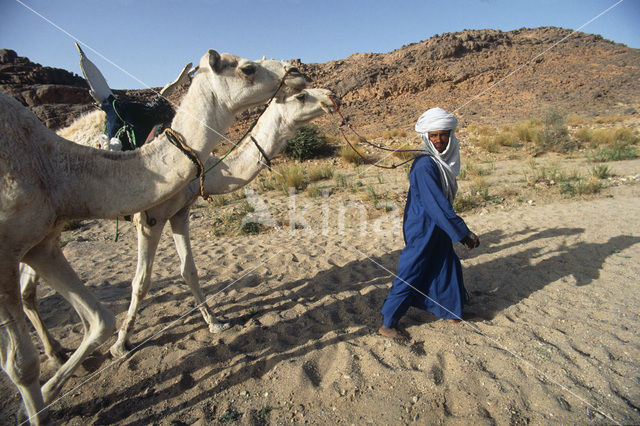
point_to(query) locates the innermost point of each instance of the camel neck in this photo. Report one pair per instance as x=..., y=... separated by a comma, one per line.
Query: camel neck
x=235, y=171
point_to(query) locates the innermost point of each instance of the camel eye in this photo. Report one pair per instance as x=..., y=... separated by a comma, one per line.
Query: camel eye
x=301, y=97
x=248, y=69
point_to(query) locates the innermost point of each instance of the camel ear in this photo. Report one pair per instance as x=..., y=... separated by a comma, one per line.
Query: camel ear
x=214, y=60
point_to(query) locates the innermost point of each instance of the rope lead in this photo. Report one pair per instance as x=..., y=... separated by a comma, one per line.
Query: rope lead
x=345, y=123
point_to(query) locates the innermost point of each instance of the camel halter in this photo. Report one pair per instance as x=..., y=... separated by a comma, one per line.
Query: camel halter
x=345, y=123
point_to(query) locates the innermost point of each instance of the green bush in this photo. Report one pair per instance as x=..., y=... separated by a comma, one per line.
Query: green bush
x=308, y=142
x=617, y=152
x=464, y=202
x=554, y=136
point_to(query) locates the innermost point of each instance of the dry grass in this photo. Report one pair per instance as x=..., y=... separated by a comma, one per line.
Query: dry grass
x=596, y=137
x=405, y=151
x=471, y=170
x=219, y=200
x=350, y=155
x=614, y=118
x=320, y=172
x=291, y=176
x=394, y=133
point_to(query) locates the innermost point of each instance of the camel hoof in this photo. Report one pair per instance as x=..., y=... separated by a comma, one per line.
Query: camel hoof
x=120, y=350
x=219, y=327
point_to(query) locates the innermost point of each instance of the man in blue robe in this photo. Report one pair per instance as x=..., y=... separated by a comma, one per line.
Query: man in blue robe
x=429, y=271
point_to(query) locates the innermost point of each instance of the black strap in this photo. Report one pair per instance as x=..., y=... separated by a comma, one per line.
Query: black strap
x=190, y=155
x=264, y=154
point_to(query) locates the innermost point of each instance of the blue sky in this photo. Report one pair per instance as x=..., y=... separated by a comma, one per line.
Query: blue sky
x=148, y=42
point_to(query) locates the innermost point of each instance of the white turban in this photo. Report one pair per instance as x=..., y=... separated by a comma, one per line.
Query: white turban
x=448, y=161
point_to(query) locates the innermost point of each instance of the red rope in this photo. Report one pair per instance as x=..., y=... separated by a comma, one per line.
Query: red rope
x=345, y=122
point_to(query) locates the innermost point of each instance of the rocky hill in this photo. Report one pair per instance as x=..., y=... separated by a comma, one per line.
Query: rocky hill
x=488, y=76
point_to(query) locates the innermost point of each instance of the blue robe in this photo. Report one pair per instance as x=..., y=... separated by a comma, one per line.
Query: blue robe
x=428, y=261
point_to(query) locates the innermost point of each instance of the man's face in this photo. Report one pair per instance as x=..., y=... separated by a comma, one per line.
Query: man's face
x=440, y=139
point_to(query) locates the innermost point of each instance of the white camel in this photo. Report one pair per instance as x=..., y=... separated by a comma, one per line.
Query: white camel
x=274, y=127
x=46, y=180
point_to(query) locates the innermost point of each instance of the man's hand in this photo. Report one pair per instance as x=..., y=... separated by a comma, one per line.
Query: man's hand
x=471, y=241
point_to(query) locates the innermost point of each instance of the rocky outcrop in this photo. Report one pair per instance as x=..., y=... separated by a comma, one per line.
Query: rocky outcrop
x=56, y=96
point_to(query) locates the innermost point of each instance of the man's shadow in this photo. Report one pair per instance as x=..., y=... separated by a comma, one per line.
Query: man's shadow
x=504, y=281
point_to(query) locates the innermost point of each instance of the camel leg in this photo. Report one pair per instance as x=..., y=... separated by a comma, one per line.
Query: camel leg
x=18, y=355
x=180, y=228
x=49, y=262
x=28, y=286
x=148, y=239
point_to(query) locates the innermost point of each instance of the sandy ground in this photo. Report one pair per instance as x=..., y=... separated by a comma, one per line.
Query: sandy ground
x=555, y=298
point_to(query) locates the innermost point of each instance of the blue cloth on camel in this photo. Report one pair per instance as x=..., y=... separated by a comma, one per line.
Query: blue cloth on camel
x=428, y=261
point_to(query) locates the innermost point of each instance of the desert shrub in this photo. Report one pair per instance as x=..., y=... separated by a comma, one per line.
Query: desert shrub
x=320, y=172
x=266, y=183
x=231, y=415
x=580, y=187
x=617, y=152
x=219, y=200
x=350, y=155
x=480, y=187
x=590, y=186
x=584, y=136
x=308, y=142
x=252, y=228
x=615, y=118
x=291, y=176
x=464, y=202
x=394, y=133
x=601, y=171
x=547, y=175
x=506, y=138
x=618, y=135
x=488, y=143
x=526, y=131
x=484, y=131
x=554, y=135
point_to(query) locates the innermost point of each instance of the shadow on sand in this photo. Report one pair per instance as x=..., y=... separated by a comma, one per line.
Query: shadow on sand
x=339, y=304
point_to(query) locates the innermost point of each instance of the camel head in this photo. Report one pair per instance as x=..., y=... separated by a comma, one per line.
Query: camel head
x=241, y=83
x=306, y=105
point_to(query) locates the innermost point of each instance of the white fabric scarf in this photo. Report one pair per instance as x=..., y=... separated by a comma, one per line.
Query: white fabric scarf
x=436, y=119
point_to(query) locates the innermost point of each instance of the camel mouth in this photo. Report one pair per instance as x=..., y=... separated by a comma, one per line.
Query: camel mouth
x=328, y=107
